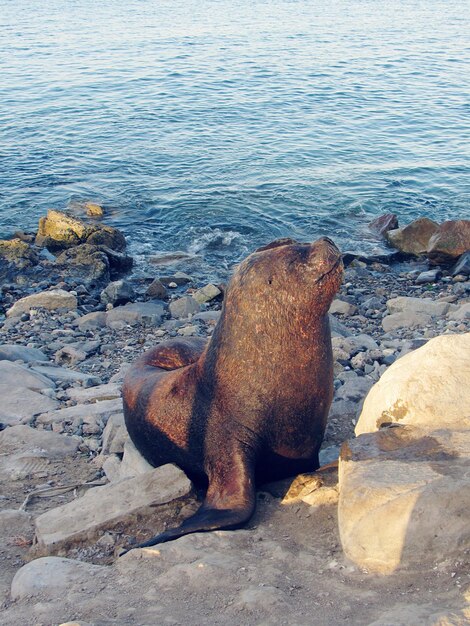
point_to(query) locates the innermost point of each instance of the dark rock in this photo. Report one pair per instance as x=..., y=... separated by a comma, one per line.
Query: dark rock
x=384, y=223
x=451, y=240
x=462, y=266
x=117, y=292
x=157, y=290
x=88, y=261
x=431, y=276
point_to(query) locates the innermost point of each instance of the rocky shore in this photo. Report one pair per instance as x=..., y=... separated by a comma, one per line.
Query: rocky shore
x=72, y=319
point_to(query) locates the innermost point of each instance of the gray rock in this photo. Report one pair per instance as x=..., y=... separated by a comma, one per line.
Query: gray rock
x=92, y=321
x=105, y=508
x=424, y=615
x=103, y=409
x=20, y=404
x=462, y=313
x=157, y=290
x=413, y=238
x=462, y=266
x=16, y=376
x=117, y=292
x=207, y=316
x=69, y=355
x=55, y=299
x=52, y=577
x=341, y=307
x=115, y=435
x=408, y=319
x=93, y=394
x=179, y=278
x=337, y=328
x=10, y=352
x=183, y=307
x=133, y=463
x=404, y=304
x=134, y=313
x=431, y=276
x=64, y=375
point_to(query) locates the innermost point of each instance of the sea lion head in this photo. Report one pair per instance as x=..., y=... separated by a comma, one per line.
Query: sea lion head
x=288, y=274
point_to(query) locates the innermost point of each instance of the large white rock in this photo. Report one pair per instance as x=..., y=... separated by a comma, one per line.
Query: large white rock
x=404, y=498
x=21, y=405
x=429, y=387
x=104, y=508
x=18, y=376
x=52, y=300
x=418, y=305
x=51, y=577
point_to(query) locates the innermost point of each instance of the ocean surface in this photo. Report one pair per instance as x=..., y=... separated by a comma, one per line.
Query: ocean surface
x=213, y=126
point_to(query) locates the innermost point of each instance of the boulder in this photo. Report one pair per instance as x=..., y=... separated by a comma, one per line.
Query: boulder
x=382, y=224
x=14, y=375
x=94, y=210
x=59, y=230
x=144, y=498
x=55, y=299
x=450, y=241
x=19, y=253
x=12, y=352
x=413, y=238
x=64, y=375
x=427, y=387
x=394, y=486
x=53, y=577
x=341, y=307
x=20, y=404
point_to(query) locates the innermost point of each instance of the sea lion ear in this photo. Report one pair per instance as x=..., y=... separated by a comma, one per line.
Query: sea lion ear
x=285, y=241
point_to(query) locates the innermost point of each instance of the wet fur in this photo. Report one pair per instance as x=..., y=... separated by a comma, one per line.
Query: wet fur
x=252, y=404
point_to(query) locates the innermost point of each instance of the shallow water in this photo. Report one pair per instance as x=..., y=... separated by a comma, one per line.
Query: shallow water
x=212, y=127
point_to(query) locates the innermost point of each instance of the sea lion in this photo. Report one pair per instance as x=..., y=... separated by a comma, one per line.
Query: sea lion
x=251, y=404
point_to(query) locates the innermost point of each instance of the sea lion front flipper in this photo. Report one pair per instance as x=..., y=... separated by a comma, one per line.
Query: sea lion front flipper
x=229, y=501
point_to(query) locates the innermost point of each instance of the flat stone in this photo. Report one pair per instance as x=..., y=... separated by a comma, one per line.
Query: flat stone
x=405, y=304
x=13, y=352
x=25, y=450
x=92, y=321
x=136, y=312
x=206, y=294
x=105, y=508
x=104, y=409
x=20, y=404
x=52, y=300
x=94, y=394
x=52, y=577
x=408, y=319
x=428, y=387
x=183, y=307
x=64, y=375
x=394, y=486
x=16, y=376
x=340, y=307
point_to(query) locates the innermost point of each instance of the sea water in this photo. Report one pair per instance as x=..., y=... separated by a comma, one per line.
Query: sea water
x=212, y=126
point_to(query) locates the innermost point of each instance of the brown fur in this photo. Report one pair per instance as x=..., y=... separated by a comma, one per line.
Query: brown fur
x=254, y=401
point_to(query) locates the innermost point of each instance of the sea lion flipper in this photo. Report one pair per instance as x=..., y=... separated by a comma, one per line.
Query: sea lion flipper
x=174, y=353
x=229, y=502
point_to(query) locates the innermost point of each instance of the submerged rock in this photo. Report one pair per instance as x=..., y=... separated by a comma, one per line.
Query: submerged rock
x=19, y=253
x=382, y=224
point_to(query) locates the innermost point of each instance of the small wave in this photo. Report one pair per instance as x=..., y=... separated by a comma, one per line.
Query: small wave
x=214, y=239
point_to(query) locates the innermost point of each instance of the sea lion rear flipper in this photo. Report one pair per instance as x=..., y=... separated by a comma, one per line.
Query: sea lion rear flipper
x=229, y=502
